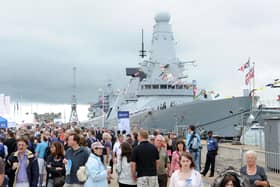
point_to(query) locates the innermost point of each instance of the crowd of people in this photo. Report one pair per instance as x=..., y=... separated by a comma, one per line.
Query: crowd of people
x=77, y=157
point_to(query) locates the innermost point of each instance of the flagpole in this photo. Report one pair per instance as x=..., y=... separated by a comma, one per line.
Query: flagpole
x=253, y=91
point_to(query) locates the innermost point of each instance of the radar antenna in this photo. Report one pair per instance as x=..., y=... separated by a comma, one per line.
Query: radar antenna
x=74, y=116
x=142, y=51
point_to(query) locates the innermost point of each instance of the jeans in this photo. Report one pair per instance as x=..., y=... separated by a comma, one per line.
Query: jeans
x=196, y=159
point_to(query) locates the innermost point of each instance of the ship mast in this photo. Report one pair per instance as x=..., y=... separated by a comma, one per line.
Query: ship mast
x=142, y=51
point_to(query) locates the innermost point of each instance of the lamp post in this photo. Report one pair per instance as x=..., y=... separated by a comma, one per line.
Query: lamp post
x=250, y=119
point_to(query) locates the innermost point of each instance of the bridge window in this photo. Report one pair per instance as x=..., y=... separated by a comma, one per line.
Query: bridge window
x=163, y=86
x=179, y=86
x=171, y=86
x=155, y=86
x=147, y=86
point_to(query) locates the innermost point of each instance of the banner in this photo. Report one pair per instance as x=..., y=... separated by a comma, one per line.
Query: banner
x=3, y=122
x=123, y=121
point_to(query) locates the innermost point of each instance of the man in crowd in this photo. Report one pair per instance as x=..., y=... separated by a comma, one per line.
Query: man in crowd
x=75, y=157
x=212, y=149
x=145, y=161
x=40, y=153
x=163, y=161
x=11, y=142
x=194, y=145
x=22, y=166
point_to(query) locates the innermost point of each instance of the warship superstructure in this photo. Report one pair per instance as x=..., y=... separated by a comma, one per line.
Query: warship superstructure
x=161, y=95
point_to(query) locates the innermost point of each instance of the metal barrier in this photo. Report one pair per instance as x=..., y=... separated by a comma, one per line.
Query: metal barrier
x=272, y=162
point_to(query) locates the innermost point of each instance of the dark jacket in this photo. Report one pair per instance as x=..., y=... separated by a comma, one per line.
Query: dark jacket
x=51, y=171
x=32, y=169
x=54, y=163
x=79, y=158
x=11, y=144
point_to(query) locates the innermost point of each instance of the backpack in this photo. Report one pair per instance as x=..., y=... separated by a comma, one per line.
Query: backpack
x=241, y=179
x=47, y=152
x=194, y=143
x=2, y=151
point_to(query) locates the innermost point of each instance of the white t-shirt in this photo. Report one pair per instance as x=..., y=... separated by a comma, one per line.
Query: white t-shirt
x=194, y=181
x=124, y=168
x=117, y=149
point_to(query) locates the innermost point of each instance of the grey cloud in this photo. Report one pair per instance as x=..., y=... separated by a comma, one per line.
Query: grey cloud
x=41, y=41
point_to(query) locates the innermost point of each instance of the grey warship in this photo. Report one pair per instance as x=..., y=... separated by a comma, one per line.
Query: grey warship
x=161, y=95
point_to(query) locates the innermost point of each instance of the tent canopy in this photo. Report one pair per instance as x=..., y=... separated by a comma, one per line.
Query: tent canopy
x=3, y=122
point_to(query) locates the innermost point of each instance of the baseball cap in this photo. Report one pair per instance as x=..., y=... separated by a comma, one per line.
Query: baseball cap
x=95, y=145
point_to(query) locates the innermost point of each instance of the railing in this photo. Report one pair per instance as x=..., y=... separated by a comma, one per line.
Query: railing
x=272, y=162
x=233, y=155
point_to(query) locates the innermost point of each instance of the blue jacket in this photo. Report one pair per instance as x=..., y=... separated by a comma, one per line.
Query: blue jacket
x=96, y=172
x=212, y=144
x=188, y=138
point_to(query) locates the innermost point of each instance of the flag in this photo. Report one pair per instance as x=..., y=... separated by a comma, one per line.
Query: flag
x=245, y=66
x=195, y=90
x=136, y=74
x=275, y=84
x=249, y=75
x=164, y=76
x=259, y=89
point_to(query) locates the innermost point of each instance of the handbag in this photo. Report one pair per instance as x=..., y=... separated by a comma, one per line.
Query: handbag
x=58, y=181
x=81, y=174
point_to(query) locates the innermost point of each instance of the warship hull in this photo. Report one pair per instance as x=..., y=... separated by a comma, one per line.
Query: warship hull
x=225, y=117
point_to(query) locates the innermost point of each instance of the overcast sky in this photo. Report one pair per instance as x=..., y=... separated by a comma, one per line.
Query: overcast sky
x=40, y=42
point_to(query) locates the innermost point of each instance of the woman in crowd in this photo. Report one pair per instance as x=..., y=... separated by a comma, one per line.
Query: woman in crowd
x=97, y=174
x=107, y=152
x=230, y=177
x=169, y=146
x=230, y=181
x=186, y=175
x=180, y=148
x=55, y=167
x=123, y=167
x=255, y=173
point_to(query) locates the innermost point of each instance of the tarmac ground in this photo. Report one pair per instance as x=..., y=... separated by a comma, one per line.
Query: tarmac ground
x=229, y=155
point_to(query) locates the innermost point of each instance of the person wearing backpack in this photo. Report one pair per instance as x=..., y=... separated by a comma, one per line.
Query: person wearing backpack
x=212, y=150
x=194, y=145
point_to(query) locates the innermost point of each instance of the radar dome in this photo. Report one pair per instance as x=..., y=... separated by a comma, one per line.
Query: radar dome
x=162, y=17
